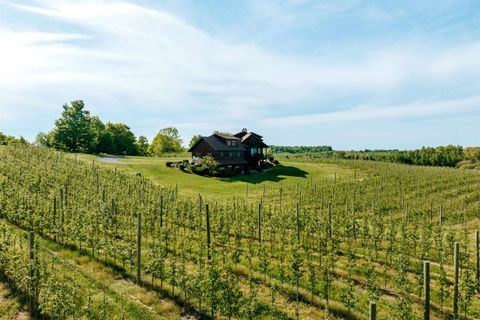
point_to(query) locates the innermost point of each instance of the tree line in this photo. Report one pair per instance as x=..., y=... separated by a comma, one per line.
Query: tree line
x=9, y=140
x=445, y=156
x=79, y=131
x=300, y=149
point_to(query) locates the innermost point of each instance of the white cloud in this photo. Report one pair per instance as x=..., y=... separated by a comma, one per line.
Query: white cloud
x=125, y=56
x=366, y=113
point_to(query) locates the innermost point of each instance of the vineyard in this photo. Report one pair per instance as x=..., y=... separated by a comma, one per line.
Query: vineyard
x=403, y=237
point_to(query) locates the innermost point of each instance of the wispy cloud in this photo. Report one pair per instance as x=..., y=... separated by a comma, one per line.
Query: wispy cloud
x=399, y=112
x=148, y=67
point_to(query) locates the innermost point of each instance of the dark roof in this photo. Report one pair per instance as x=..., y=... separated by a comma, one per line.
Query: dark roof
x=226, y=137
x=253, y=140
x=217, y=144
x=246, y=139
x=242, y=134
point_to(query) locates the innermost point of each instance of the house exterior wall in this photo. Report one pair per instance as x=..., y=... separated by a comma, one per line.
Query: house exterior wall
x=253, y=154
x=202, y=149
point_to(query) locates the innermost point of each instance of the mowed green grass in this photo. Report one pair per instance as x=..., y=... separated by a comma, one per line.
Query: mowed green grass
x=285, y=173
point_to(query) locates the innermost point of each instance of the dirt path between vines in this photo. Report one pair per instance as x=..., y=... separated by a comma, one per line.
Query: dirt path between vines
x=9, y=306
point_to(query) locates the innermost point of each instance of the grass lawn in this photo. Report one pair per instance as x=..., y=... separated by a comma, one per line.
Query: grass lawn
x=285, y=173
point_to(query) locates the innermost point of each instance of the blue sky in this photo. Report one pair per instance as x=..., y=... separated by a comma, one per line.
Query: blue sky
x=351, y=74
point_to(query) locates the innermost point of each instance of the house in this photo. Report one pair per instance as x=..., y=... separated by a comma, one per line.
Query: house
x=240, y=150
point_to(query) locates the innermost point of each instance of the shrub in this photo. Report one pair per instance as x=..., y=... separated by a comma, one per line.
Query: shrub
x=202, y=171
x=208, y=162
x=169, y=164
x=276, y=162
x=271, y=159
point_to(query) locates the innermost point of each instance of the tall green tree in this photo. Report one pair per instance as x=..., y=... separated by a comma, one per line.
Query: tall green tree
x=41, y=140
x=106, y=143
x=194, y=140
x=142, y=146
x=124, y=140
x=73, y=131
x=167, y=140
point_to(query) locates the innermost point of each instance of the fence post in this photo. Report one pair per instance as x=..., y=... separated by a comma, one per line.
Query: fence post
x=32, y=274
x=426, y=286
x=207, y=214
x=139, y=247
x=298, y=221
x=259, y=222
x=330, y=220
x=477, y=257
x=161, y=210
x=455, y=284
x=373, y=311
x=55, y=217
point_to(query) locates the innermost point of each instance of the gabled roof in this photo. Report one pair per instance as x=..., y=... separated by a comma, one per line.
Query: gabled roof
x=216, y=143
x=253, y=140
x=226, y=137
x=242, y=134
x=245, y=140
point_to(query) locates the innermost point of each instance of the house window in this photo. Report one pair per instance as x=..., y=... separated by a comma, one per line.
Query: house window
x=253, y=151
x=221, y=154
x=231, y=143
x=238, y=154
x=230, y=154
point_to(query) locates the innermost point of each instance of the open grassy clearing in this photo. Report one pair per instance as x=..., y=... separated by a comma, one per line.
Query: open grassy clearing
x=286, y=173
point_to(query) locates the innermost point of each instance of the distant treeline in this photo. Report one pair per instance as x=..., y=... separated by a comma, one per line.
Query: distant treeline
x=448, y=156
x=300, y=149
x=9, y=140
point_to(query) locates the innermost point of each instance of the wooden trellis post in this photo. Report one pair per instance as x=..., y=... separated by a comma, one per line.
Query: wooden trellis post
x=298, y=221
x=139, y=247
x=207, y=214
x=259, y=222
x=32, y=304
x=330, y=220
x=426, y=288
x=55, y=217
x=477, y=258
x=161, y=210
x=373, y=310
x=455, y=283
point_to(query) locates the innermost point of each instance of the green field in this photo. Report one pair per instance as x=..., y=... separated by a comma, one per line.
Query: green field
x=287, y=172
